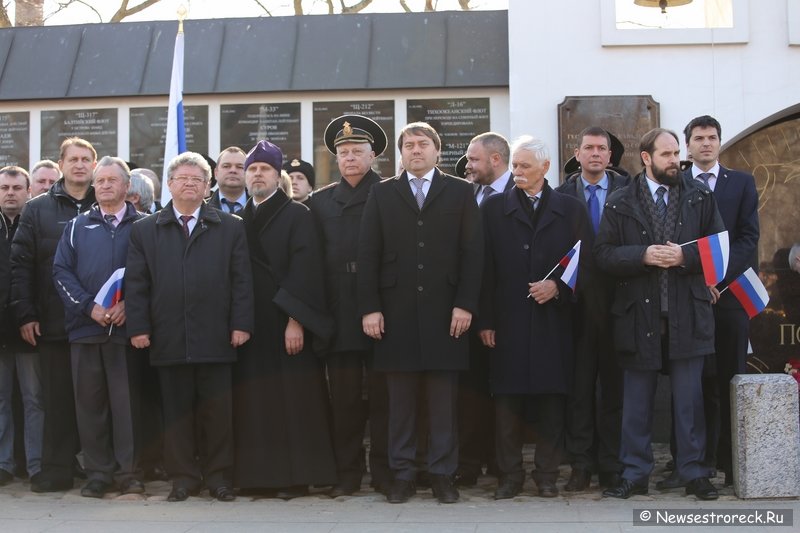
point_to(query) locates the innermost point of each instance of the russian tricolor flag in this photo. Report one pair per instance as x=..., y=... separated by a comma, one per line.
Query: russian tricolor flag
x=175, y=141
x=111, y=291
x=750, y=292
x=570, y=264
x=714, y=253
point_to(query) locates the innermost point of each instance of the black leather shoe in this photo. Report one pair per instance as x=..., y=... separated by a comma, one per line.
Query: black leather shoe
x=463, y=479
x=443, y=488
x=673, y=481
x=343, y=489
x=507, y=489
x=5, y=477
x=179, y=494
x=96, y=488
x=131, y=486
x=625, y=490
x=400, y=491
x=40, y=483
x=290, y=493
x=609, y=480
x=547, y=489
x=223, y=494
x=579, y=480
x=702, y=488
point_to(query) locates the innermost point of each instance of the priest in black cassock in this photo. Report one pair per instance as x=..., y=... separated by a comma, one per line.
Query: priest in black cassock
x=281, y=425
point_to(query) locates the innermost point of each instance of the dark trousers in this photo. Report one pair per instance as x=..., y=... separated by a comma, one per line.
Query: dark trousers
x=60, y=437
x=512, y=413
x=202, y=392
x=594, y=410
x=106, y=383
x=732, y=330
x=346, y=375
x=152, y=418
x=475, y=413
x=441, y=392
x=636, y=451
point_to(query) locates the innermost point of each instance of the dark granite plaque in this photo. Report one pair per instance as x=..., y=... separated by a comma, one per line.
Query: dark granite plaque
x=243, y=125
x=98, y=126
x=148, y=129
x=457, y=120
x=381, y=111
x=627, y=117
x=15, y=139
x=772, y=155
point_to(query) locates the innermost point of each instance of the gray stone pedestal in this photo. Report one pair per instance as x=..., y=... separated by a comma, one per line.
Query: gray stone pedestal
x=766, y=436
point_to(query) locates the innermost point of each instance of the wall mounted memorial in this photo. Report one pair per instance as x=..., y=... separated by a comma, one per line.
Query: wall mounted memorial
x=457, y=120
x=772, y=155
x=148, y=129
x=98, y=126
x=627, y=117
x=243, y=125
x=15, y=139
x=381, y=111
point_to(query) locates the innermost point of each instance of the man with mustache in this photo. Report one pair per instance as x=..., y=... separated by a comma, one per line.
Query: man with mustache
x=662, y=308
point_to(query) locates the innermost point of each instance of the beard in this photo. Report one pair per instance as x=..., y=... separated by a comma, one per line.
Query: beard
x=669, y=176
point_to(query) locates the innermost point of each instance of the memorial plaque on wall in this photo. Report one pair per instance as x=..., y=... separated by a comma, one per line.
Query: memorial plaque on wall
x=243, y=125
x=98, y=126
x=381, y=111
x=457, y=120
x=15, y=139
x=772, y=154
x=627, y=117
x=148, y=130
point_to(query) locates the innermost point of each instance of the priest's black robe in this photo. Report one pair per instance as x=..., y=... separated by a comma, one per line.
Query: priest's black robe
x=281, y=425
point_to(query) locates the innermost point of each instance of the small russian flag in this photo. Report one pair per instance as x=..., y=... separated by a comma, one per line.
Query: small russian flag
x=714, y=253
x=750, y=292
x=570, y=264
x=111, y=291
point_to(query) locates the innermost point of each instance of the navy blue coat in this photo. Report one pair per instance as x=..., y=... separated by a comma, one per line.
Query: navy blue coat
x=90, y=250
x=534, y=351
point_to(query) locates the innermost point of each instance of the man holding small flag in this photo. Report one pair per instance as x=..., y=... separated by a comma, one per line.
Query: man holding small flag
x=737, y=201
x=88, y=273
x=661, y=310
x=533, y=236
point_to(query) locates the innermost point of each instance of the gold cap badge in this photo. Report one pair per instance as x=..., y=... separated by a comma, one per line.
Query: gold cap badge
x=347, y=129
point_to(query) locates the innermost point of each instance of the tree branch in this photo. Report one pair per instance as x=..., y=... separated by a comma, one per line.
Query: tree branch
x=355, y=8
x=405, y=6
x=5, y=22
x=262, y=6
x=124, y=12
x=298, y=7
x=464, y=5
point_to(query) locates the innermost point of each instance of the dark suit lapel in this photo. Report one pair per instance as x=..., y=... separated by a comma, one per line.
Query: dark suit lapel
x=403, y=188
x=437, y=185
x=722, y=184
x=513, y=208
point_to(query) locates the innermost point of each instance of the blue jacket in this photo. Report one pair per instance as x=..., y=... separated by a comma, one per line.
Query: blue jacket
x=89, y=251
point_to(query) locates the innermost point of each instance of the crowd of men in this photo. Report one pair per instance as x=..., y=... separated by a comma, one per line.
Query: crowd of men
x=245, y=340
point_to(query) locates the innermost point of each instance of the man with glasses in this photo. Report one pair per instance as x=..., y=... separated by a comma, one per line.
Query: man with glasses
x=190, y=300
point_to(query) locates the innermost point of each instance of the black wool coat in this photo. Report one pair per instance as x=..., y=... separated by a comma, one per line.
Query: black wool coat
x=534, y=351
x=188, y=294
x=338, y=209
x=415, y=266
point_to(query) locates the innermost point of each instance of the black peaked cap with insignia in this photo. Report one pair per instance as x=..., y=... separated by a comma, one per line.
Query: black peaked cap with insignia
x=303, y=167
x=355, y=129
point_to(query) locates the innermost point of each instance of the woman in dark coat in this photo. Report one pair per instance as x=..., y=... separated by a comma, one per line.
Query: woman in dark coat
x=280, y=408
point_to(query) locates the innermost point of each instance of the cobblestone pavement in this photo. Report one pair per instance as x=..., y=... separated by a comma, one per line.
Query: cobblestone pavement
x=24, y=511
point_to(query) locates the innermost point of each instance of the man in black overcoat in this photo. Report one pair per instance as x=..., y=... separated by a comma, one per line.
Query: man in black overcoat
x=355, y=141
x=420, y=258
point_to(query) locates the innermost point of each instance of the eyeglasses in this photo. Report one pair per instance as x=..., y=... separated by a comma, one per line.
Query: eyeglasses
x=194, y=180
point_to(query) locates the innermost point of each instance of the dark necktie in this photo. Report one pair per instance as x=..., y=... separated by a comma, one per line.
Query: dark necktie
x=487, y=192
x=420, y=196
x=704, y=177
x=594, y=206
x=111, y=219
x=185, y=224
x=233, y=207
x=661, y=204
x=534, y=201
